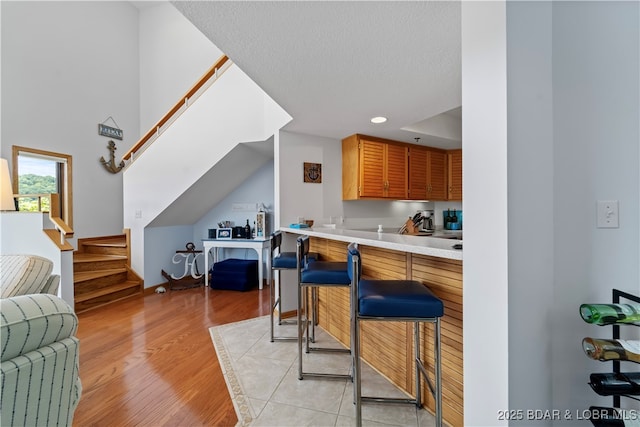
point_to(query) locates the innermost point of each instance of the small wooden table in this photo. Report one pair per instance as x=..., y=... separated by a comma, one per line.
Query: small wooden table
x=259, y=244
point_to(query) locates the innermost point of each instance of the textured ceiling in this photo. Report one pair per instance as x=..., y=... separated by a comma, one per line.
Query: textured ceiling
x=334, y=65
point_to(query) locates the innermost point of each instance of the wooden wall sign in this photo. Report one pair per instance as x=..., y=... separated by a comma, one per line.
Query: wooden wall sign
x=109, y=131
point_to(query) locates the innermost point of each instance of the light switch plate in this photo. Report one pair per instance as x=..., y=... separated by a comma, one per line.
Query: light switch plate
x=607, y=214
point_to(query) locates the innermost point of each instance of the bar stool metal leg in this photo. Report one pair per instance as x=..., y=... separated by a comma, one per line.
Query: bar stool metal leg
x=276, y=304
x=280, y=261
x=389, y=300
x=314, y=275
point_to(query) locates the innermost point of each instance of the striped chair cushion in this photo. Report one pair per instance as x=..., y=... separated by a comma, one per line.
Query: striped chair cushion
x=28, y=322
x=23, y=274
x=40, y=359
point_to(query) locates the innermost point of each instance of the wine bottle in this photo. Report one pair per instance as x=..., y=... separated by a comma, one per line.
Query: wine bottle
x=247, y=230
x=615, y=383
x=606, y=349
x=607, y=314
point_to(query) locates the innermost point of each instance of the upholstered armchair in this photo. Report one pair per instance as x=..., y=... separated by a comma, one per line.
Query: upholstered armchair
x=39, y=352
x=26, y=274
x=40, y=361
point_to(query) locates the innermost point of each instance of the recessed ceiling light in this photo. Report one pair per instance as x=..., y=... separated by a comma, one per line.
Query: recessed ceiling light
x=378, y=119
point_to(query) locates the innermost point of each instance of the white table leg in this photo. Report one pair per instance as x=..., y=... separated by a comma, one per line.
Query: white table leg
x=259, y=251
x=206, y=269
x=268, y=265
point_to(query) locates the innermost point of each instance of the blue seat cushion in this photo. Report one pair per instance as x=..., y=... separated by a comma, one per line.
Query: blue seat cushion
x=288, y=260
x=397, y=298
x=326, y=273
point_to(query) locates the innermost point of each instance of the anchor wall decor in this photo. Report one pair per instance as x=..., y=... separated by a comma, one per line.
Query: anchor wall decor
x=111, y=164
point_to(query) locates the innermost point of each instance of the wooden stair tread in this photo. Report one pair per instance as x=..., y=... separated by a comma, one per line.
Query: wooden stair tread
x=89, y=257
x=118, y=243
x=82, y=276
x=106, y=291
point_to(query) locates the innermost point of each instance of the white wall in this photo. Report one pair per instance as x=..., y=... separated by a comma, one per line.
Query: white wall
x=309, y=200
x=257, y=188
x=163, y=242
x=67, y=66
x=484, y=143
x=596, y=133
x=573, y=130
x=231, y=111
x=174, y=54
x=531, y=208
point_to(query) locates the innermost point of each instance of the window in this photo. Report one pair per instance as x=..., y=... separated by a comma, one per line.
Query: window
x=38, y=173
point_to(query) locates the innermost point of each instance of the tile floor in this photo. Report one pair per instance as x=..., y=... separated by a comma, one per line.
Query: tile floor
x=263, y=382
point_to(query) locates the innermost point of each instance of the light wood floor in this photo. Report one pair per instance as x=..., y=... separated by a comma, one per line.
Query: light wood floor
x=149, y=361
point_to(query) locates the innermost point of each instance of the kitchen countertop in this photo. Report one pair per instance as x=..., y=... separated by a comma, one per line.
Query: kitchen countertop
x=423, y=245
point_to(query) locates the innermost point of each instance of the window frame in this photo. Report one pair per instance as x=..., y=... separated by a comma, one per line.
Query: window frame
x=66, y=202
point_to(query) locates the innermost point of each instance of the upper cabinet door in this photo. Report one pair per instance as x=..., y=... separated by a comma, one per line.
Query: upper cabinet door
x=437, y=175
x=396, y=171
x=372, y=169
x=454, y=160
x=417, y=173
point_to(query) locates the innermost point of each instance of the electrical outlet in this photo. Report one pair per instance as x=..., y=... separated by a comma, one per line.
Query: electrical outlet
x=607, y=214
x=138, y=213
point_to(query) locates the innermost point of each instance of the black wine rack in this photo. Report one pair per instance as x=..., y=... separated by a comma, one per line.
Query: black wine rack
x=617, y=295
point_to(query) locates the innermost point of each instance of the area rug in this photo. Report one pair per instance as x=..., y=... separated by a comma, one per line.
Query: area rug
x=240, y=402
x=261, y=377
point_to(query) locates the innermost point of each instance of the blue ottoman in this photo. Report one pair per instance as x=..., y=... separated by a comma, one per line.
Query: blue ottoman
x=234, y=274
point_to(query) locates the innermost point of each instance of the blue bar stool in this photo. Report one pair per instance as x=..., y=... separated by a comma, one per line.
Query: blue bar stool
x=313, y=275
x=281, y=261
x=399, y=301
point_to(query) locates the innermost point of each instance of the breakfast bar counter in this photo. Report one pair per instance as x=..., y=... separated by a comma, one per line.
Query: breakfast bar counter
x=424, y=245
x=387, y=346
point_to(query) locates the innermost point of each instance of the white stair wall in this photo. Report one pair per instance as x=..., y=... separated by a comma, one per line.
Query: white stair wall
x=232, y=111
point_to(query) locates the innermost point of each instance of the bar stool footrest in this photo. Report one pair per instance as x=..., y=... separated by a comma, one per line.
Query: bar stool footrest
x=327, y=376
x=394, y=400
x=329, y=350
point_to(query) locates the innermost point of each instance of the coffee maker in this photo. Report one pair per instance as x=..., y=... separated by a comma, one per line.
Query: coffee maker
x=428, y=221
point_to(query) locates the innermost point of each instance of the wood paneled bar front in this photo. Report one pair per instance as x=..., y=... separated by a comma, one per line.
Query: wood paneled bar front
x=387, y=346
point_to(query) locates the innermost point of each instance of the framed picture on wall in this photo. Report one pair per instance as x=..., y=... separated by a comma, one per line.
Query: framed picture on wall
x=313, y=172
x=225, y=233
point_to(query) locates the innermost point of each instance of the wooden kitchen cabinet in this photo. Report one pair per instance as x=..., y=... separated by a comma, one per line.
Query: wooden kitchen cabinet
x=454, y=166
x=427, y=173
x=418, y=172
x=373, y=168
